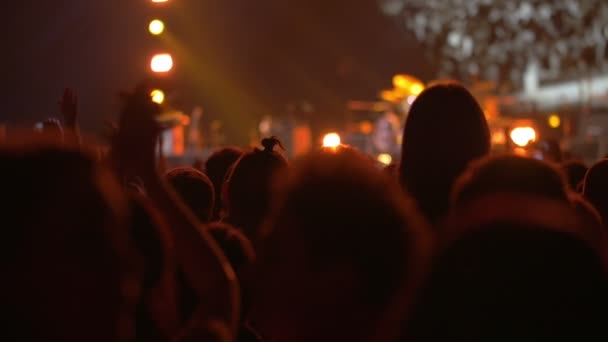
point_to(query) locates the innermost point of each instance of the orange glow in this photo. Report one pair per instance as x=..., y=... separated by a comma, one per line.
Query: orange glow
x=554, y=121
x=498, y=137
x=385, y=159
x=408, y=85
x=332, y=140
x=402, y=81
x=158, y=96
x=162, y=62
x=523, y=136
x=520, y=151
x=389, y=96
x=366, y=127
x=157, y=1
x=416, y=89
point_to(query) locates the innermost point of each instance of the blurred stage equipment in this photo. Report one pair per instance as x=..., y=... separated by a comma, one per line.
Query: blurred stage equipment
x=386, y=132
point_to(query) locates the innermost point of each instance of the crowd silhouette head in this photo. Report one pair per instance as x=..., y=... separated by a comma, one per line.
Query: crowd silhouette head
x=445, y=130
x=248, y=194
x=195, y=189
x=449, y=244
x=339, y=246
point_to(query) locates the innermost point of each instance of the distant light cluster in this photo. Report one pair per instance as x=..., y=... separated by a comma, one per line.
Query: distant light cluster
x=497, y=39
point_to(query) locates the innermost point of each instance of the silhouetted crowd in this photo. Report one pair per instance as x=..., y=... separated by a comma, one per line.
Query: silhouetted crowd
x=452, y=244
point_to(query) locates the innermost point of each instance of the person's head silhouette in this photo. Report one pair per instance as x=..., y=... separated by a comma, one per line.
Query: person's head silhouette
x=216, y=168
x=338, y=247
x=248, y=185
x=195, y=189
x=510, y=174
x=445, y=130
x=595, y=187
x=575, y=171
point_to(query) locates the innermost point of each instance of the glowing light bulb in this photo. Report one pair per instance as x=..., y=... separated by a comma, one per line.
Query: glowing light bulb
x=416, y=89
x=331, y=140
x=158, y=96
x=385, y=158
x=161, y=63
x=554, y=121
x=156, y=27
x=523, y=136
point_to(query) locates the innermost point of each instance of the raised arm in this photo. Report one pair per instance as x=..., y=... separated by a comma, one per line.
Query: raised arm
x=68, y=106
x=202, y=261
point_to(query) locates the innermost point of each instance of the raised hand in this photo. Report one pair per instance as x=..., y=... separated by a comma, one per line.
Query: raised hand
x=204, y=265
x=51, y=127
x=136, y=139
x=68, y=106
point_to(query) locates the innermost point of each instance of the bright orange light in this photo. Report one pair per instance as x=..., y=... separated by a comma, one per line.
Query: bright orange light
x=402, y=81
x=389, y=96
x=416, y=89
x=519, y=151
x=385, y=158
x=185, y=120
x=554, y=121
x=499, y=137
x=332, y=140
x=160, y=0
x=156, y=27
x=161, y=63
x=523, y=136
x=408, y=85
x=158, y=96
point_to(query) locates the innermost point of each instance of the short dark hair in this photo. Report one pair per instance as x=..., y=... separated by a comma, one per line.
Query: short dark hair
x=217, y=167
x=510, y=174
x=575, y=171
x=348, y=212
x=235, y=245
x=195, y=189
x=595, y=187
x=248, y=187
x=67, y=244
x=512, y=281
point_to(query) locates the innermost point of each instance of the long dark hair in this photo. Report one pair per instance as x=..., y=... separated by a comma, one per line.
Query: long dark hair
x=445, y=130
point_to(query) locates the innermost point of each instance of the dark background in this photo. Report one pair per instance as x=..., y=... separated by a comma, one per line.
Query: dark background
x=240, y=59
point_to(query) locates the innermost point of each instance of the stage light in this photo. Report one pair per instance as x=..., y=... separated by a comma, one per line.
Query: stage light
x=161, y=63
x=158, y=96
x=499, y=137
x=554, y=121
x=156, y=27
x=157, y=1
x=385, y=158
x=332, y=140
x=416, y=89
x=389, y=96
x=523, y=136
x=402, y=81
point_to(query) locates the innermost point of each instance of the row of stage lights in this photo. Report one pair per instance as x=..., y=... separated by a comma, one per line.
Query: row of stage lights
x=160, y=63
